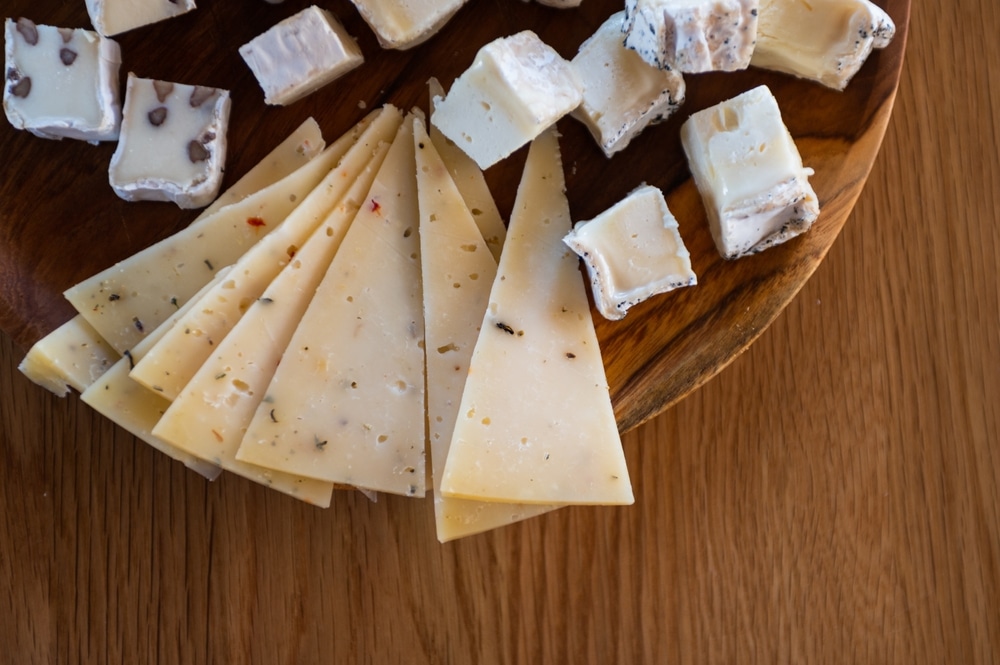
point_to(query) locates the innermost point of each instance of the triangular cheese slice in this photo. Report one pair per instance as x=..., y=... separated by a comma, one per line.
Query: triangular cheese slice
x=210, y=415
x=458, y=271
x=535, y=423
x=347, y=401
x=177, y=356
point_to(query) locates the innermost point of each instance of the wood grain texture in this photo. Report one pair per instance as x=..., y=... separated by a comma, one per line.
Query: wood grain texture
x=832, y=496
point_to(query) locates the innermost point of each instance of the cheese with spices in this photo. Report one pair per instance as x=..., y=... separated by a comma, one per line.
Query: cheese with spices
x=71, y=356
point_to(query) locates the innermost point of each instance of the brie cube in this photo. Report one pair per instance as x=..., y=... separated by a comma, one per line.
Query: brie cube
x=623, y=94
x=300, y=55
x=61, y=82
x=632, y=251
x=173, y=143
x=822, y=40
x=403, y=24
x=112, y=17
x=516, y=88
x=749, y=173
x=692, y=36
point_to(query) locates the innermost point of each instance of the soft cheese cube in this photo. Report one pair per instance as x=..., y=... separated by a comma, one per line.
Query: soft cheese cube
x=301, y=55
x=517, y=87
x=173, y=143
x=632, y=251
x=822, y=40
x=403, y=24
x=749, y=172
x=61, y=82
x=623, y=94
x=113, y=17
x=692, y=36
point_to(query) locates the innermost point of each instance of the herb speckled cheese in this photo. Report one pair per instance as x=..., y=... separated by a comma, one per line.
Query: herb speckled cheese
x=536, y=423
x=71, y=356
x=346, y=403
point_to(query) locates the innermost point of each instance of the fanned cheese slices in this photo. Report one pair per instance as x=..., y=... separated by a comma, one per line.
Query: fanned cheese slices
x=458, y=272
x=535, y=423
x=346, y=404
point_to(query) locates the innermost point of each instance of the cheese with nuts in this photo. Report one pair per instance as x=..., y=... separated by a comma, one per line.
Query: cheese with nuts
x=300, y=55
x=749, y=173
x=71, y=356
x=535, y=423
x=112, y=17
x=172, y=145
x=692, y=36
x=403, y=24
x=632, y=252
x=346, y=403
x=622, y=93
x=61, y=82
x=822, y=40
x=516, y=87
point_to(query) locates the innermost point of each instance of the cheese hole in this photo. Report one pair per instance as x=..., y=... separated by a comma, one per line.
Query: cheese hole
x=382, y=438
x=401, y=386
x=229, y=284
x=350, y=298
x=408, y=232
x=447, y=347
x=487, y=421
x=329, y=232
x=457, y=285
x=245, y=304
x=471, y=413
x=476, y=212
x=242, y=386
x=524, y=440
x=473, y=276
x=726, y=120
x=486, y=106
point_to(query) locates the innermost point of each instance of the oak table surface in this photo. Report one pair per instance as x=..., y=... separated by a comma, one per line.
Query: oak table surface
x=832, y=496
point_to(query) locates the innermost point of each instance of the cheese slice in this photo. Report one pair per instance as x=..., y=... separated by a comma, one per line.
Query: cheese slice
x=174, y=360
x=346, y=404
x=132, y=297
x=212, y=412
x=458, y=272
x=535, y=423
x=133, y=408
x=75, y=354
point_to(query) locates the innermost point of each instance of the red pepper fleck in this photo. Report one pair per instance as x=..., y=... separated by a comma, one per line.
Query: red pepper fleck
x=376, y=206
x=256, y=222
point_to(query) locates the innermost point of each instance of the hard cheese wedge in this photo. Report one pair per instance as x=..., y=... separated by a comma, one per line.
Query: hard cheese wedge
x=458, y=272
x=347, y=401
x=48, y=360
x=174, y=360
x=132, y=297
x=212, y=412
x=535, y=423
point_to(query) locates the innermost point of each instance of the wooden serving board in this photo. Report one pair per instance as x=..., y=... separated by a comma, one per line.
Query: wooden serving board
x=60, y=222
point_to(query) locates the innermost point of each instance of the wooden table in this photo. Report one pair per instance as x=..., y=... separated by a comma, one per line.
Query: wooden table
x=832, y=496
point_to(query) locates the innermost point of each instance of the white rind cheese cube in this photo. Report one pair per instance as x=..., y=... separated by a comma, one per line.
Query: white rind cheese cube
x=632, y=251
x=517, y=87
x=173, y=143
x=113, y=17
x=623, y=94
x=692, y=36
x=403, y=24
x=749, y=173
x=822, y=40
x=300, y=55
x=60, y=82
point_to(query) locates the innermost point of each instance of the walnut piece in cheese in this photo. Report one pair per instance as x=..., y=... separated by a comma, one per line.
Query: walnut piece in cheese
x=516, y=88
x=300, y=55
x=173, y=143
x=61, y=82
x=749, y=173
x=692, y=36
x=403, y=24
x=632, y=251
x=113, y=17
x=623, y=94
x=822, y=40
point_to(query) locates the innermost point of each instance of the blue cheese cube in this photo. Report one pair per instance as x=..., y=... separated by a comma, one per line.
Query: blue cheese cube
x=61, y=82
x=173, y=143
x=692, y=36
x=632, y=252
x=300, y=55
x=623, y=94
x=749, y=173
x=113, y=17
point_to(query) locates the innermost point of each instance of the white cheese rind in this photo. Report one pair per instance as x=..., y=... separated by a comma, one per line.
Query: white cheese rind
x=300, y=55
x=632, y=252
x=536, y=423
x=72, y=356
x=622, y=93
x=692, y=36
x=61, y=83
x=112, y=17
x=172, y=145
x=749, y=173
x=403, y=24
x=822, y=40
x=516, y=87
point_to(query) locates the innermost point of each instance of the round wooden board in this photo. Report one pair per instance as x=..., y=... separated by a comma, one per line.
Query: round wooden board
x=60, y=222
